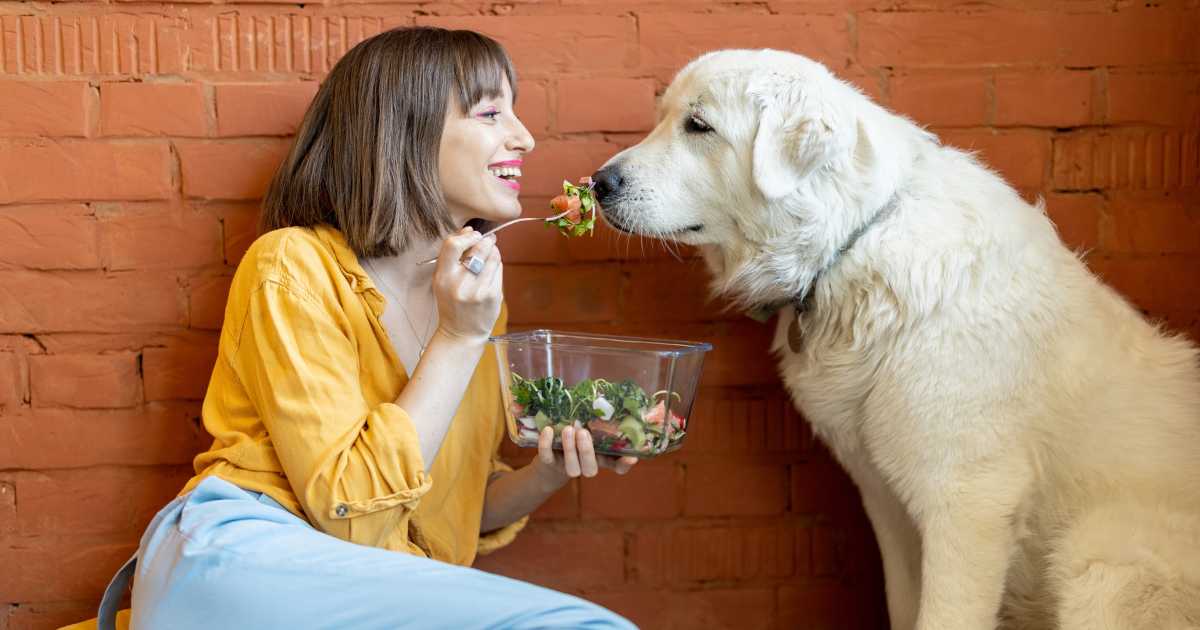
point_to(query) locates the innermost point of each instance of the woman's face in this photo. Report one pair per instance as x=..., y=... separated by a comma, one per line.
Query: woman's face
x=479, y=161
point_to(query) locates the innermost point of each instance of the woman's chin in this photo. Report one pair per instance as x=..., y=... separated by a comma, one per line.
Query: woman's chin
x=502, y=212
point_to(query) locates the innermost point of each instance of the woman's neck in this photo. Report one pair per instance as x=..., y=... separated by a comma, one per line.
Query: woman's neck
x=403, y=270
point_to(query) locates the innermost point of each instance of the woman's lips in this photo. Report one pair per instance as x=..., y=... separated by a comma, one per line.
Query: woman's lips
x=511, y=183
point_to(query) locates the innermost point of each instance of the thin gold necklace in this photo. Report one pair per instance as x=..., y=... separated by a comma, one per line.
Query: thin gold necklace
x=422, y=340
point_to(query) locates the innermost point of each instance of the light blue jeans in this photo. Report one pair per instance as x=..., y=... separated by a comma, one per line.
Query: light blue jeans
x=223, y=557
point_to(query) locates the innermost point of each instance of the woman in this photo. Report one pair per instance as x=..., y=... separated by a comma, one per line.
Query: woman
x=345, y=426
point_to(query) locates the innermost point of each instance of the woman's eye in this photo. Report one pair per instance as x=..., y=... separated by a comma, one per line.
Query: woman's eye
x=696, y=124
x=490, y=114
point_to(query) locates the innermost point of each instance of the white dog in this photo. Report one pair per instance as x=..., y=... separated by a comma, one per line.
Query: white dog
x=1026, y=445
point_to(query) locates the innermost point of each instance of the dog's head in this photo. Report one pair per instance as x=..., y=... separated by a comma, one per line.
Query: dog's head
x=745, y=144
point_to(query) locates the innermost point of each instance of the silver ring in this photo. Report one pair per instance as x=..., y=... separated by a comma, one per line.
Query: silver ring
x=474, y=264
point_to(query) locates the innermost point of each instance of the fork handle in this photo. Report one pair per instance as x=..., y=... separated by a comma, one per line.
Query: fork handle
x=489, y=233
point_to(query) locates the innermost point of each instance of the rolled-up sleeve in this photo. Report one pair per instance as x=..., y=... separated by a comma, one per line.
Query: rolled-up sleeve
x=356, y=469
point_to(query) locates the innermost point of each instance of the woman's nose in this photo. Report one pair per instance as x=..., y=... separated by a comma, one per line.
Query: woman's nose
x=520, y=139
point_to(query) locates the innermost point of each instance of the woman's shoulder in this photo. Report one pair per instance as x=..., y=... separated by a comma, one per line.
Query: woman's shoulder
x=293, y=257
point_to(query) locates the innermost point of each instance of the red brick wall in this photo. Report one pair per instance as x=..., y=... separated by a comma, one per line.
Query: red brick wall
x=135, y=139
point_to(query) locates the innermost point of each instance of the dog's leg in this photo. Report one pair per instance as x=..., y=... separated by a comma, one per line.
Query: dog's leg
x=968, y=536
x=899, y=546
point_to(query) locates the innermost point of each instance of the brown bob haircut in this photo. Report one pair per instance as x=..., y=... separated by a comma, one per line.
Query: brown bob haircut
x=365, y=158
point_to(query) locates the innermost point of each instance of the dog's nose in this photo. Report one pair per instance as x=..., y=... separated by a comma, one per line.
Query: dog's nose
x=606, y=182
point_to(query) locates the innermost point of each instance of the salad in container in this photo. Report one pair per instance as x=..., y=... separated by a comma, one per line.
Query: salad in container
x=633, y=395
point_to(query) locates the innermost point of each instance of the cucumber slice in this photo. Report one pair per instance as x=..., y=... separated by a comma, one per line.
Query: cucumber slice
x=632, y=429
x=541, y=420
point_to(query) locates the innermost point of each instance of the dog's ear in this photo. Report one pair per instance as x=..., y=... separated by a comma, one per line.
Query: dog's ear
x=799, y=131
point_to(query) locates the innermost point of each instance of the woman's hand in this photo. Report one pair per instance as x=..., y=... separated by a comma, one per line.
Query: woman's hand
x=468, y=304
x=578, y=458
x=511, y=496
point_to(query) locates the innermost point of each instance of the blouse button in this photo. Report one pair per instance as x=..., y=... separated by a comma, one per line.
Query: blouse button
x=342, y=510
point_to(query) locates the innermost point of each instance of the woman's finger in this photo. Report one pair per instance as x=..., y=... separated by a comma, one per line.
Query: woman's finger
x=455, y=246
x=624, y=464
x=587, y=453
x=546, y=446
x=487, y=278
x=570, y=456
x=483, y=248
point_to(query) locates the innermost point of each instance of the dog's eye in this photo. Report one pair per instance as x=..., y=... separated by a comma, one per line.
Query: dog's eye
x=696, y=124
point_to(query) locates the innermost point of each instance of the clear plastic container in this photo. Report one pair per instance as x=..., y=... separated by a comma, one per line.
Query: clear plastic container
x=634, y=395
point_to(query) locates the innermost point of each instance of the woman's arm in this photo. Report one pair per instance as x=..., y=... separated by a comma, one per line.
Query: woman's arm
x=470, y=305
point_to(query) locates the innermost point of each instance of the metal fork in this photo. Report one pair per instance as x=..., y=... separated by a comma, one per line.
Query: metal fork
x=504, y=225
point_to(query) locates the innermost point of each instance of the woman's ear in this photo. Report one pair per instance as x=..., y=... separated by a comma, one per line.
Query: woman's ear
x=800, y=129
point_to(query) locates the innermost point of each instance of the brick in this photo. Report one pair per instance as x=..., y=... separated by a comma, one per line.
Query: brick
x=268, y=42
x=74, y=301
x=1160, y=98
x=1155, y=224
x=71, y=438
x=51, y=236
x=650, y=490
x=552, y=161
x=44, y=108
x=563, y=504
x=239, y=227
x=180, y=370
x=829, y=604
x=955, y=100
x=40, y=170
x=14, y=380
x=1159, y=284
x=153, y=109
x=836, y=7
x=1021, y=157
x=740, y=355
x=685, y=297
x=597, y=557
x=56, y=568
x=741, y=608
x=85, y=381
x=118, y=500
x=605, y=105
x=1075, y=6
x=1127, y=159
x=533, y=243
x=206, y=302
x=1024, y=37
x=96, y=342
x=8, y=509
x=1077, y=218
x=148, y=236
x=758, y=422
x=229, y=169
x=542, y=45
x=735, y=488
x=670, y=40
x=690, y=554
x=37, y=615
x=533, y=106
x=819, y=486
x=74, y=43
x=262, y=109
x=1185, y=323
x=1044, y=99
x=562, y=294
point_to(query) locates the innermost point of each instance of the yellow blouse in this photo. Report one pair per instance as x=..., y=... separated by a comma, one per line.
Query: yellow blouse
x=300, y=407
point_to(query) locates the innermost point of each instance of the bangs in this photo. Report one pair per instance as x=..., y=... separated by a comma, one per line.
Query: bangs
x=480, y=67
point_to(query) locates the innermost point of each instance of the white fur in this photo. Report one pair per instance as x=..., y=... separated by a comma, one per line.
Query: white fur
x=1027, y=446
